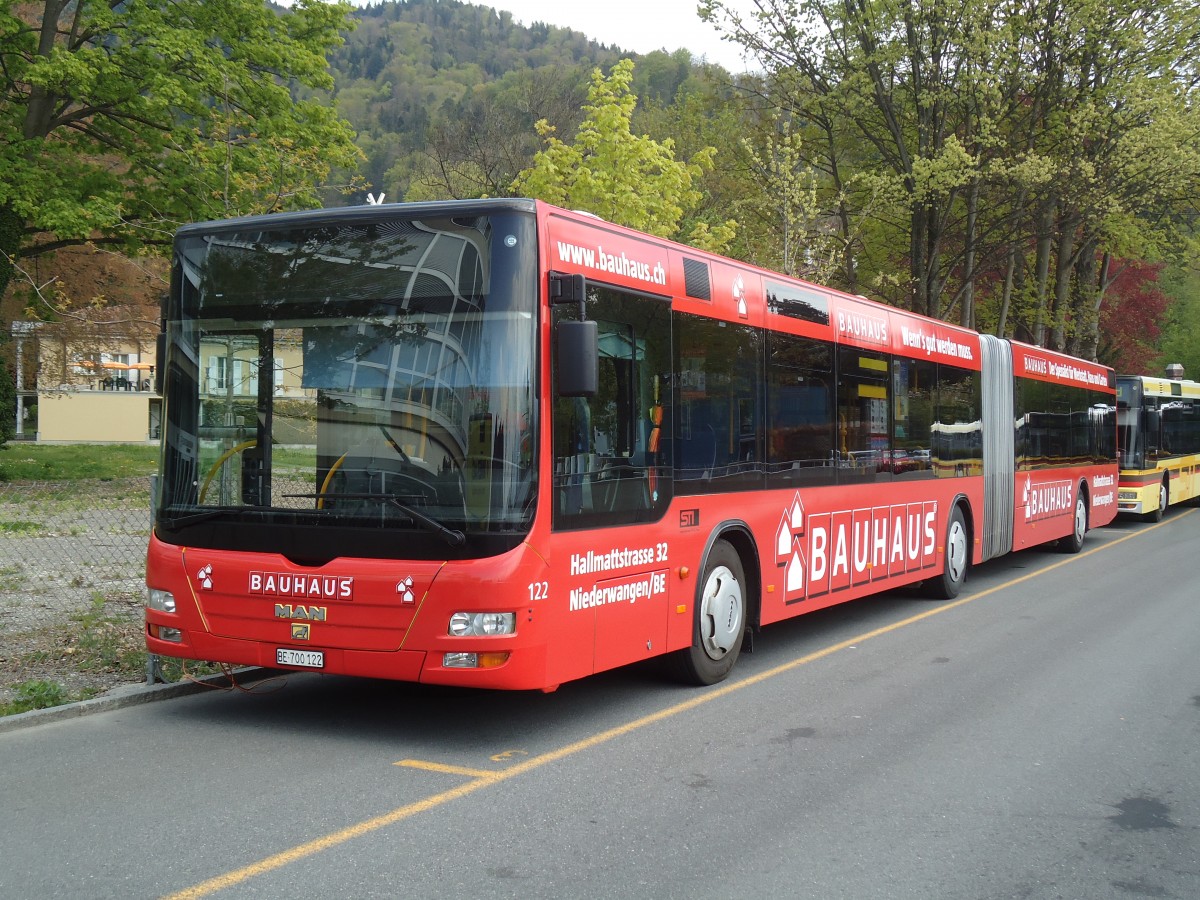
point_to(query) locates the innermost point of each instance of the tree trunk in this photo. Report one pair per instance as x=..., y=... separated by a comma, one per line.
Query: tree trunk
x=11, y=228
x=1045, y=234
x=1064, y=270
x=1084, y=307
x=917, y=263
x=933, y=263
x=967, y=313
x=1090, y=348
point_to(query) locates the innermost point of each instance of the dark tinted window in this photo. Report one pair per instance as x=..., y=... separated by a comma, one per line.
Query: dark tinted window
x=915, y=393
x=1061, y=425
x=797, y=303
x=799, y=411
x=957, y=430
x=862, y=430
x=718, y=443
x=608, y=449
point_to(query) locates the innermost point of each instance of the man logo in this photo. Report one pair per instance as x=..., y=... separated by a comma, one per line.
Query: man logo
x=301, y=631
x=307, y=613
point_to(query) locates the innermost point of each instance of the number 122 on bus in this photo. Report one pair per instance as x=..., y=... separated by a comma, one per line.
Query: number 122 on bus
x=498, y=444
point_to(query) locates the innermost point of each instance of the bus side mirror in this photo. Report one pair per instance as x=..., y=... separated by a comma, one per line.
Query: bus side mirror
x=577, y=351
x=577, y=358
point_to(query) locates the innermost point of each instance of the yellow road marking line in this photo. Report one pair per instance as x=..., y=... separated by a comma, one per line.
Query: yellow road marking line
x=447, y=769
x=483, y=779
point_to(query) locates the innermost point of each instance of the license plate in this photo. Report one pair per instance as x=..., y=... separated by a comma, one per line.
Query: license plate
x=309, y=659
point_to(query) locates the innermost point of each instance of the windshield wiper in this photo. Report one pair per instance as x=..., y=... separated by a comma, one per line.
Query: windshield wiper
x=206, y=515
x=451, y=536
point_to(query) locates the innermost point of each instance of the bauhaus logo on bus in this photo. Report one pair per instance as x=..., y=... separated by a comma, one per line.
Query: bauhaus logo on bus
x=873, y=329
x=826, y=552
x=287, y=584
x=1048, y=368
x=1047, y=500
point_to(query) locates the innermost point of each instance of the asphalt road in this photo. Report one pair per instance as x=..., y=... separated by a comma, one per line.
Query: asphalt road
x=1037, y=738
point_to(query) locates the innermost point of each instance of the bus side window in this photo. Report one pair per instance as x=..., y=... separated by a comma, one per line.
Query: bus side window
x=799, y=411
x=605, y=471
x=958, y=449
x=863, y=430
x=719, y=443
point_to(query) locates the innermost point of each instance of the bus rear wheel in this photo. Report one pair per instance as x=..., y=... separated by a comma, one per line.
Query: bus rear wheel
x=719, y=625
x=956, y=558
x=1164, y=498
x=1073, y=542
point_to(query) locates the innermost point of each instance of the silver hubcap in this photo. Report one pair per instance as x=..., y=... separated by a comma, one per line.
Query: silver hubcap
x=1162, y=497
x=1080, y=519
x=956, y=551
x=720, y=612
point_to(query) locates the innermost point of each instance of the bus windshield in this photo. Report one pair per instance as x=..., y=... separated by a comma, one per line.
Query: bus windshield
x=366, y=386
x=1131, y=437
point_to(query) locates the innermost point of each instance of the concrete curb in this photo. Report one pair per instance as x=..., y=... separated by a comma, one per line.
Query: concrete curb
x=132, y=695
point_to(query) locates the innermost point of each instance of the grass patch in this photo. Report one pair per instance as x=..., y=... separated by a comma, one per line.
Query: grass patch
x=108, y=643
x=19, y=527
x=73, y=462
x=38, y=694
x=11, y=579
x=170, y=669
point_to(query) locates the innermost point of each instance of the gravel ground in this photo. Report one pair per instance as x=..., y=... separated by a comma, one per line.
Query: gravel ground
x=72, y=558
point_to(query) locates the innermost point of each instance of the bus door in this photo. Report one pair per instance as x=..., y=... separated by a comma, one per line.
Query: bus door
x=609, y=477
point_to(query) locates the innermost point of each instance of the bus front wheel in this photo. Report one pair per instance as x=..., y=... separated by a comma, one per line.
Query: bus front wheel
x=719, y=624
x=956, y=558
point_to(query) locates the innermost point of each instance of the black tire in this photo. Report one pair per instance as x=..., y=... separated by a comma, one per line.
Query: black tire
x=956, y=559
x=1073, y=542
x=1164, y=500
x=719, y=624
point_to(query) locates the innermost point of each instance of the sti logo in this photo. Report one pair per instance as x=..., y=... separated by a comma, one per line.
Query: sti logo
x=689, y=518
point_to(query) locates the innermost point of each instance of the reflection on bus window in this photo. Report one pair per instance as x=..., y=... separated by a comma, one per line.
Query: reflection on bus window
x=608, y=462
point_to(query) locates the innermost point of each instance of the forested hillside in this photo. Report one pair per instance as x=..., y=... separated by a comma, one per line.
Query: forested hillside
x=442, y=91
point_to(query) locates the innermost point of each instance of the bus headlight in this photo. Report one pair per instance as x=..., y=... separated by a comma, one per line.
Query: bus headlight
x=163, y=601
x=474, y=660
x=465, y=624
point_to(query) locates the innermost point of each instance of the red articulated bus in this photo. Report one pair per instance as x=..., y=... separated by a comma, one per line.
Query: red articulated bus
x=498, y=444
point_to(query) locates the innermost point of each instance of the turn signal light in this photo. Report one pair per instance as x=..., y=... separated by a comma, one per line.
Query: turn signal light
x=487, y=660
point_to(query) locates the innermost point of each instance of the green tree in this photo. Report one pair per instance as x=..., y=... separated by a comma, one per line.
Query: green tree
x=1011, y=152
x=623, y=178
x=8, y=403
x=120, y=121
x=1181, y=330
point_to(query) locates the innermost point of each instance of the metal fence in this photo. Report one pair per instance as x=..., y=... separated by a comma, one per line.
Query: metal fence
x=65, y=544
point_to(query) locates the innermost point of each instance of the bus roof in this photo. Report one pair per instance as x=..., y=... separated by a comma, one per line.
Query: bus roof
x=1153, y=386
x=367, y=212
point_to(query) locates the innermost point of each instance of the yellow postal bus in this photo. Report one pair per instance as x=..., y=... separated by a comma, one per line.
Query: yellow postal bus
x=1158, y=433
